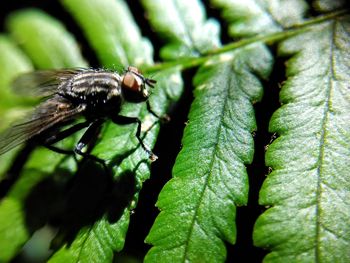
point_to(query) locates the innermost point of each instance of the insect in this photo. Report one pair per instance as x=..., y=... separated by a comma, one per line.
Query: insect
x=97, y=95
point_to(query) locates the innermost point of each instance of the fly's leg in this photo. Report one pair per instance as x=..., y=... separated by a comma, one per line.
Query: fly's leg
x=162, y=118
x=64, y=134
x=89, y=134
x=128, y=120
x=58, y=150
x=93, y=128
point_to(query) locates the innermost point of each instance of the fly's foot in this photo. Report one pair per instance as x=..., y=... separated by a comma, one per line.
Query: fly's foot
x=153, y=157
x=164, y=118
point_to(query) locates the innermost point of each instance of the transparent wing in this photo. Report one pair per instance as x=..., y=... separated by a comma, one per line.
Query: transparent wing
x=52, y=112
x=42, y=83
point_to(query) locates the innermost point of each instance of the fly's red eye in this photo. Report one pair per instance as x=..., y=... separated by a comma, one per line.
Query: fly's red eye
x=131, y=82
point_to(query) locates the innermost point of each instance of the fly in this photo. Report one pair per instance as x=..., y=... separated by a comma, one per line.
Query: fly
x=97, y=95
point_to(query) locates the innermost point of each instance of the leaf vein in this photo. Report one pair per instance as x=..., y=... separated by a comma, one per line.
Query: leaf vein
x=83, y=244
x=322, y=141
x=207, y=179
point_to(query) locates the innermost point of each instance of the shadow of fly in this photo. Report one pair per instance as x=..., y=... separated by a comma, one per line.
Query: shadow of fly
x=97, y=95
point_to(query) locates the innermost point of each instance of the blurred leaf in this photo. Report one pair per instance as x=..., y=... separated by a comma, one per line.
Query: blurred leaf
x=12, y=239
x=328, y=5
x=184, y=26
x=12, y=63
x=309, y=186
x=252, y=17
x=15, y=227
x=112, y=32
x=198, y=204
x=45, y=40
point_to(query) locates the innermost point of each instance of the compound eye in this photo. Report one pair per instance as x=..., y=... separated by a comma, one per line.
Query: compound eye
x=132, y=82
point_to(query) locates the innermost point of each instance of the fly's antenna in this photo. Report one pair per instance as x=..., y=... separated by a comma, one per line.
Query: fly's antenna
x=150, y=82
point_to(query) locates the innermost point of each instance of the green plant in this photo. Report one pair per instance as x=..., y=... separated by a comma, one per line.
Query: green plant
x=307, y=190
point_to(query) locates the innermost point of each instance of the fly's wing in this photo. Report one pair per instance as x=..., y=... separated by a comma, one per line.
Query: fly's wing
x=52, y=112
x=42, y=83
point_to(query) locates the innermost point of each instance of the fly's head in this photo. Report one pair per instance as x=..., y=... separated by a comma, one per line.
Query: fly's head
x=135, y=86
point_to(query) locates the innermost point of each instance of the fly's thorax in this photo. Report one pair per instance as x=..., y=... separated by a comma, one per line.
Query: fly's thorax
x=93, y=88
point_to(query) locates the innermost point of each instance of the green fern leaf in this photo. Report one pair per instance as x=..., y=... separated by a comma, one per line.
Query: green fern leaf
x=198, y=204
x=252, y=17
x=112, y=31
x=309, y=185
x=184, y=26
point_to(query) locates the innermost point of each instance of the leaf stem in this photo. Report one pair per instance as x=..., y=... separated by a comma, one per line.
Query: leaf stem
x=269, y=39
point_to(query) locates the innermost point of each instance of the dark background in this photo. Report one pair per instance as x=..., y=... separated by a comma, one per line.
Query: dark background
x=169, y=141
